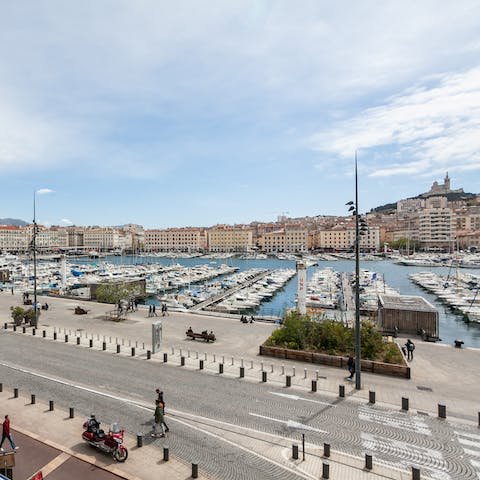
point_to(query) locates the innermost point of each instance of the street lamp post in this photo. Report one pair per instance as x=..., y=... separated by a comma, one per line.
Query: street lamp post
x=35, y=315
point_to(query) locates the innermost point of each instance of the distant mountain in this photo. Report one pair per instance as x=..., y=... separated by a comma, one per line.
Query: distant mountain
x=13, y=221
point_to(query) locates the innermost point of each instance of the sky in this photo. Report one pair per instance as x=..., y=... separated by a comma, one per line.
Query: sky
x=193, y=113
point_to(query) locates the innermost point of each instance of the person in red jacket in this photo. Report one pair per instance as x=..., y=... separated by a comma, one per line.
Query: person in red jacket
x=6, y=434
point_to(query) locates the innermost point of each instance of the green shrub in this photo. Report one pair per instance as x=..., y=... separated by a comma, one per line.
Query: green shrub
x=392, y=353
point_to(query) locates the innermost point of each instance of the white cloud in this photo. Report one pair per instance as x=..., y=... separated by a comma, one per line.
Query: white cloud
x=433, y=128
x=66, y=221
x=43, y=191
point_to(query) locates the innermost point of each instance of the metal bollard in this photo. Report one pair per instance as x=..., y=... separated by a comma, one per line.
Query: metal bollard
x=264, y=377
x=118, y=348
x=316, y=375
x=1, y=389
x=54, y=335
x=288, y=381
x=314, y=385
x=326, y=450
x=165, y=358
x=104, y=345
x=182, y=361
x=50, y=406
x=242, y=374
x=14, y=328
x=139, y=440
x=325, y=470
x=24, y=329
x=44, y=333
x=295, y=451
x=371, y=396
x=405, y=404
x=133, y=351
x=442, y=411
x=368, y=461
x=293, y=369
x=166, y=454
x=33, y=399
x=5, y=326
x=149, y=354
x=201, y=364
x=220, y=368
x=304, y=373
x=78, y=340
x=15, y=393
x=341, y=391
x=415, y=473
x=71, y=413
x=194, y=470
x=34, y=332
x=90, y=343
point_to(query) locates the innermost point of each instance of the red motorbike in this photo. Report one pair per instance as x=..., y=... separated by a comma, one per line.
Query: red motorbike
x=111, y=442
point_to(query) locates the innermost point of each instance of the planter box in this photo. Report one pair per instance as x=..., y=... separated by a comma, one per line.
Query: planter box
x=370, y=366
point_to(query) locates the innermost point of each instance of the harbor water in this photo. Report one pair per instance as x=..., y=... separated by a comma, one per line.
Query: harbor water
x=451, y=325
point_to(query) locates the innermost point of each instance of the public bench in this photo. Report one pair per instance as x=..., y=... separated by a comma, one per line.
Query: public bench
x=208, y=337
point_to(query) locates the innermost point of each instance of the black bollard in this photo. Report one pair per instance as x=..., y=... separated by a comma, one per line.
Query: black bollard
x=50, y=406
x=149, y=354
x=220, y=368
x=325, y=470
x=371, y=396
x=415, y=473
x=133, y=351
x=264, y=377
x=5, y=326
x=405, y=404
x=118, y=348
x=32, y=399
x=54, y=335
x=15, y=393
x=78, y=340
x=24, y=329
x=194, y=470
x=326, y=450
x=90, y=343
x=165, y=357
x=314, y=385
x=201, y=365
x=14, y=328
x=139, y=440
x=104, y=345
x=66, y=338
x=166, y=454
x=341, y=391
x=242, y=374
x=71, y=413
x=295, y=451
x=368, y=461
x=182, y=361
x=288, y=381
x=1, y=390
x=34, y=331
x=442, y=411
x=44, y=334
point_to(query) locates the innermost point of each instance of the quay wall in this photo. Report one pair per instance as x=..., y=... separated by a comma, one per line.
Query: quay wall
x=370, y=366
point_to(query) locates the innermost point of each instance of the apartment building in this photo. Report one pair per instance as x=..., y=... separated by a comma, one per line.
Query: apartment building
x=229, y=239
x=13, y=239
x=343, y=238
x=284, y=241
x=173, y=239
x=436, y=227
x=101, y=238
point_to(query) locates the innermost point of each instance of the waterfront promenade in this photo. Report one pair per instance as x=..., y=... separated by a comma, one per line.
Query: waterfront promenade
x=440, y=373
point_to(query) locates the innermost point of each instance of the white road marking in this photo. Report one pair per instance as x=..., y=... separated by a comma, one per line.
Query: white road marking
x=469, y=435
x=394, y=419
x=296, y=397
x=473, y=453
x=289, y=423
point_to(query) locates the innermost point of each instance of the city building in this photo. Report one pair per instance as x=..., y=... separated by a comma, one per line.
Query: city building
x=436, y=224
x=284, y=241
x=223, y=238
x=174, y=239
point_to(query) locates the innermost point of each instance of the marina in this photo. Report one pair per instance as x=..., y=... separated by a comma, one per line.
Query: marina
x=190, y=284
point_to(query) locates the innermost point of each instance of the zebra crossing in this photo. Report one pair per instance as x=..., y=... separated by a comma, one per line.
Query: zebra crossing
x=470, y=443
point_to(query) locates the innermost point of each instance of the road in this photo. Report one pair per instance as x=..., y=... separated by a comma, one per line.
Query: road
x=206, y=411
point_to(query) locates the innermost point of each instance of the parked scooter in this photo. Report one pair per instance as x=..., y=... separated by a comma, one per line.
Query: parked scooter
x=111, y=442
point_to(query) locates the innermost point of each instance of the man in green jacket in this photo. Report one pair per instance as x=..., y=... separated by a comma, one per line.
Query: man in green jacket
x=158, y=425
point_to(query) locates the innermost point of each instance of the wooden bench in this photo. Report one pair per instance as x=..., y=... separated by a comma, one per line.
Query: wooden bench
x=204, y=335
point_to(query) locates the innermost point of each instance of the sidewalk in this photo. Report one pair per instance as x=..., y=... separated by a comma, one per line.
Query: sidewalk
x=63, y=437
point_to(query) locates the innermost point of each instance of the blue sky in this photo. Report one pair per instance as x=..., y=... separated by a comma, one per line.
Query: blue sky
x=196, y=113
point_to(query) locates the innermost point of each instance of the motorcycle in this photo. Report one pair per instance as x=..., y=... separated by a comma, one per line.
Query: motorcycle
x=111, y=442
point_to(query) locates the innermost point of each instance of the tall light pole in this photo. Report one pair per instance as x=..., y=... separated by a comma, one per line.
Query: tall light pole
x=35, y=316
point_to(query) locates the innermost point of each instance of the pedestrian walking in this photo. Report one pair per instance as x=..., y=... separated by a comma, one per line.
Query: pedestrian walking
x=162, y=404
x=158, y=423
x=154, y=311
x=6, y=434
x=149, y=310
x=351, y=367
x=410, y=346
x=12, y=290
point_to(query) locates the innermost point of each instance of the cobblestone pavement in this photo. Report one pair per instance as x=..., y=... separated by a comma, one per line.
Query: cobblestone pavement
x=202, y=405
